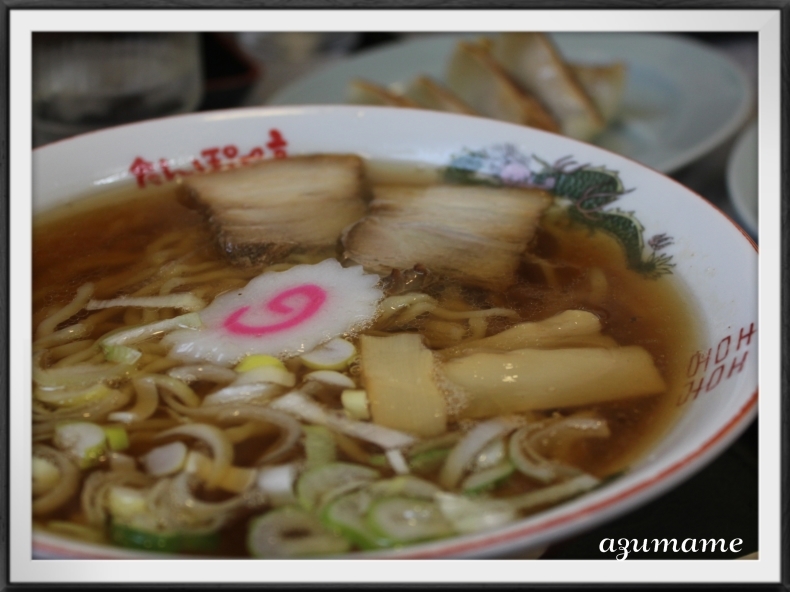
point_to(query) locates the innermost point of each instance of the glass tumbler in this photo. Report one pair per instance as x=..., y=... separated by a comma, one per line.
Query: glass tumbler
x=87, y=81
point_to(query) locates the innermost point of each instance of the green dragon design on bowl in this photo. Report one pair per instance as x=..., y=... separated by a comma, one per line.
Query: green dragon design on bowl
x=585, y=190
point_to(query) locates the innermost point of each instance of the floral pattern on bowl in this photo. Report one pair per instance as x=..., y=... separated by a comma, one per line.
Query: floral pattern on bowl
x=584, y=189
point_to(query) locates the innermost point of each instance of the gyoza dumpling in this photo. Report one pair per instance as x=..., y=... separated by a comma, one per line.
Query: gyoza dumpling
x=537, y=66
x=605, y=84
x=430, y=94
x=480, y=81
x=364, y=92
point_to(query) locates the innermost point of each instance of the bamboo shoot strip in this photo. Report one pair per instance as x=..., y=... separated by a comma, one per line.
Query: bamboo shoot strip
x=551, y=332
x=398, y=374
x=530, y=379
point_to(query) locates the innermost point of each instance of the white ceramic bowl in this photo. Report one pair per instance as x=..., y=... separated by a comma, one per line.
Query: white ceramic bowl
x=742, y=178
x=712, y=257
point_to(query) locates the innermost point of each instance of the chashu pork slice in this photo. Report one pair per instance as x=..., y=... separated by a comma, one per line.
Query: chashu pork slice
x=262, y=212
x=533, y=61
x=474, y=234
x=476, y=77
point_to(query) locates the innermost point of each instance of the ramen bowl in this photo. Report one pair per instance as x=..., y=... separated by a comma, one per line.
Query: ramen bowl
x=709, y=260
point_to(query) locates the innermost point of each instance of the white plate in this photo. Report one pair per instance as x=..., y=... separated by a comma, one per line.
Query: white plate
x=682, y=98
x=742, y=177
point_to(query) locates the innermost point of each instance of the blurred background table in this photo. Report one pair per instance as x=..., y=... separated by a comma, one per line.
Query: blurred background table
x=721, y=501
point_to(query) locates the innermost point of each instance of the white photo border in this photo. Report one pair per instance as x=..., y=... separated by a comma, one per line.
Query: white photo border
x=23, y=569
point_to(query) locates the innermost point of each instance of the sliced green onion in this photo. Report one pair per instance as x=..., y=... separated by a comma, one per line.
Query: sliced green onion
x=124, y=503
x=396, y=461
x=407, y=520
x=163, y=542
x=445, y=441
x=45, y=475
x=464, y=452
x=272, y=374
x=117, y=437
x=254, y=361
x=165, y=460
x=319, y=446
x=85, y=441
x=292, y=532
x=491, y=455
x=331, y=378
x=346, y=516
x=335, y=354
x=317, y=486
x=121, y=354
x=487, y=478
x=378, y=460
x=278, y=483
x=428, y=460
x=355, y=402
x=404, y=485
x=473, y=515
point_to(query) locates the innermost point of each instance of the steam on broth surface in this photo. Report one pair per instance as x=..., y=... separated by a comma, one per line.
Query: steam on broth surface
x=465, y=404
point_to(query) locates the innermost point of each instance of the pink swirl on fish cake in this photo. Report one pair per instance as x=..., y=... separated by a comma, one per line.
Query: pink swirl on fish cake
x=315, y=297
